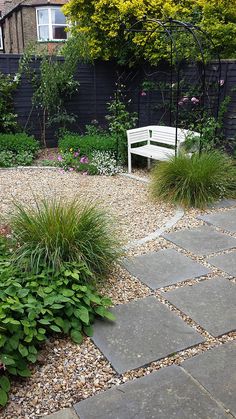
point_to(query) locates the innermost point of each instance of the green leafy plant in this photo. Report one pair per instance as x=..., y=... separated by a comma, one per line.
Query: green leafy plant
x=196, y=180
x=87, y=144
x=119, y=121
x=8, y=85
x=20, y=142
x=33, y=307
x=105, y=163
x=6, y=158
x=55, y=232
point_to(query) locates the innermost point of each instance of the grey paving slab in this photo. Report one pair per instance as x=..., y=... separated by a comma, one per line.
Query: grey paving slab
x=201, y=241
x=62, y=414
x=216, y=371
x=163, y=268
x=144, y=331
x=166, y=394
x=225, y=220
x=226, y=262
x=210, y=303
x=224, y=203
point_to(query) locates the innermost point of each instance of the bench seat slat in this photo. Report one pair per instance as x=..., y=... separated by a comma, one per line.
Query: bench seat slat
x=153, y=152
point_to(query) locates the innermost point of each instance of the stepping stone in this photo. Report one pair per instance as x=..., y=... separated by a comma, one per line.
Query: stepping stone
x=210, y=303
x=226, y=262
x=163, y=268
x=201, y=241
x=169, y=393
x=144, y=331
x=224, y=203
x=63, y=414
x=216, y=372
x=225, y=220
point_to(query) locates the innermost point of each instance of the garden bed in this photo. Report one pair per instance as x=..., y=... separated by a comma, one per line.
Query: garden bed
x=125, y=199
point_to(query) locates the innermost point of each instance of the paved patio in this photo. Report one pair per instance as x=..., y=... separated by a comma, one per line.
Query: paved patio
x=147, y=330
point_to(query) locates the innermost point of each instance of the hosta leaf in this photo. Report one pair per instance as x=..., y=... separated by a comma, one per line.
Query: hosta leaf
x=23, y=293
x=59, y=322
x=83, y=314
x=3, y=397
x=44, y=321
x=32, y=358
x=23, y=350
x=76, y=336
x=67, y=293
x=75, y=275
x=88, y=330
x=109, y=315
x=32, y=350
x=24, y=373
x=5, y=383
x=47, y=290
x=7, y=360
x=55, y=328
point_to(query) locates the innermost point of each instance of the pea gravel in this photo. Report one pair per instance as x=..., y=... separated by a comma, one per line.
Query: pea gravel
x=66, y=372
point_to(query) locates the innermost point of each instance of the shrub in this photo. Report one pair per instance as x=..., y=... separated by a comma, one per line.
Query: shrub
x=72, y=160
x=32, y=307
x=17, y=143
x=87, y=143
x=6, y=158
x=55, y=232
x=105, y=163
x=194, y=180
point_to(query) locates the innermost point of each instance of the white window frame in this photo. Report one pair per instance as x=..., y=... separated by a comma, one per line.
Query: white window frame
x=1, y=40
x=49, y=24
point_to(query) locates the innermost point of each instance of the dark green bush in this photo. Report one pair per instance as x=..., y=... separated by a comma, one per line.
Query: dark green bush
x=18, y=143
x=194, y=181
x=87, y=143
x=54, y=232
x=32, y=307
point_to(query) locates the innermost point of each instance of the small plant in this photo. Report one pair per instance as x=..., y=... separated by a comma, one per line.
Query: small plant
x=33, y=307
x=119, y=121
x=105, y=163
x=24, y=158
x=87, y=144
x=56, y=232
x=196, y=180
x=18, y=143
x=6, y=158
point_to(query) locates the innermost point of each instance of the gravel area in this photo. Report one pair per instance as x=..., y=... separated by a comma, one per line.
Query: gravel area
x=67, y=373
x=127, y=200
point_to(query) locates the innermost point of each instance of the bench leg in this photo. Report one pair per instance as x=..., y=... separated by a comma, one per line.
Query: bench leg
x=129, y=163
x=149, y=164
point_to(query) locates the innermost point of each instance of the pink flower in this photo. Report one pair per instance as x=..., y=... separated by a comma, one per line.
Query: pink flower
x=221, y=82
x=143, y=93
x=84, y=159
x=71, y=169
x=194, y=100
x=85, y=173
x=76, y=154
x=185, y=99
x=62, y=171
x=59, y=158
x=180, y=103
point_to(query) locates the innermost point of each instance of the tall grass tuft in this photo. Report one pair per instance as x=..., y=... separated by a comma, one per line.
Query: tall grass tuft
x=194, y=181
x=55, y=232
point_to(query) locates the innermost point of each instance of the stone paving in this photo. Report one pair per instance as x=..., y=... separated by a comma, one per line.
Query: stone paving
x=149, y=329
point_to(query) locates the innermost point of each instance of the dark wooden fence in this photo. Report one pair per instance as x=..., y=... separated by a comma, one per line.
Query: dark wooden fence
x=97, y=85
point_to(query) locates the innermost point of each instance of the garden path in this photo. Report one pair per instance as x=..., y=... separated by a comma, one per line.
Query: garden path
x=177, y=315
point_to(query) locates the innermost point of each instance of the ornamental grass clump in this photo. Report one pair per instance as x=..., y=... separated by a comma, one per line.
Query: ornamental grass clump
x=194, y=181
x=54, y=232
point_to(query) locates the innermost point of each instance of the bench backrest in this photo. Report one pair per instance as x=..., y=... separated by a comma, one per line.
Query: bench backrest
x=138, y=135
x=157, y=133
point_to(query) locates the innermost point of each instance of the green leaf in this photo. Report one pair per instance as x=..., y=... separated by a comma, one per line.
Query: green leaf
x=32, y=350
x=59, y=322
x=109, y=315
x=88, y=330
x=67, y=293
x=75, y=275
x=5, y=383
x=23, y=293
x=7, y=360
x=32, y=358
x=24, y=373
x=47, y=290
x=23, y=350
x=44, y=321
x=3, y=397
x=76, y=336
x=55, y=328
x=14, y=341
x=83, y=314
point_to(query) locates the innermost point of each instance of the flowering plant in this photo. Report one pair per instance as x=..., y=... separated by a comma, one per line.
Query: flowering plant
x=72, y=161
x=105, y=163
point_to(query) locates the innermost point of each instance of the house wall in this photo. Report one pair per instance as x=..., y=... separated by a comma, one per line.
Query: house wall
x=20, y=31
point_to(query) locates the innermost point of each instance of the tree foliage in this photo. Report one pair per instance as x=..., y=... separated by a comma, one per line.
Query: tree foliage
x=100, y=22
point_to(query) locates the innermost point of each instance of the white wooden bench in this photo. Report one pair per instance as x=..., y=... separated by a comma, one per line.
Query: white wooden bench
x=163, y=138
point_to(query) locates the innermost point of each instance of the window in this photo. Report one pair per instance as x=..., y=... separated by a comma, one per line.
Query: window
x=1, y=41
x=51, y=24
